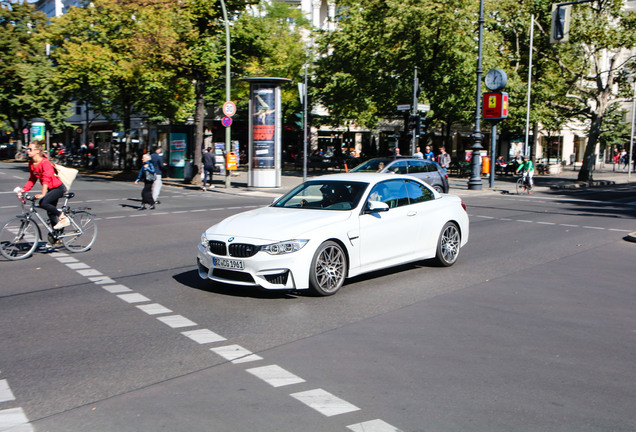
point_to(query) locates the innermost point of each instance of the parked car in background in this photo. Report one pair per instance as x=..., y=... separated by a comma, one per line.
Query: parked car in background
x=425, y=170
x=331, y=228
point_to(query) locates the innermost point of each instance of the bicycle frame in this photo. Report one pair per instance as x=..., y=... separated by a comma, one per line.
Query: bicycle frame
x=31, y=209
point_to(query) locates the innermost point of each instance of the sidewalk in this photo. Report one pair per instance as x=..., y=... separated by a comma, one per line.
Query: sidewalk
x=458, y=185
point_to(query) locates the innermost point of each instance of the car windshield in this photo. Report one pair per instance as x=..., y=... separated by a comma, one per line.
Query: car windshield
x=324, y=194
x=373, y=165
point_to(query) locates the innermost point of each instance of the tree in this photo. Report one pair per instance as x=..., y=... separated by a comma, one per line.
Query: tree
x=366, y=65
x=28, y=89
x=593, y=68
x=122, y=58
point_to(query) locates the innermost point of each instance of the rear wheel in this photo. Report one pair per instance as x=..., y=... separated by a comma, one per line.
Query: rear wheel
x=448, y=245
x=438, y=188
x=19, y=238
x=328, y=269
x=83, y=235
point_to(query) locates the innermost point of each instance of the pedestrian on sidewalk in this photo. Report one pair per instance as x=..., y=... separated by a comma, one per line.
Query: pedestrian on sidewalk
x=147, y=175
x=209, y=160
x=159, y=165
x=444, y=159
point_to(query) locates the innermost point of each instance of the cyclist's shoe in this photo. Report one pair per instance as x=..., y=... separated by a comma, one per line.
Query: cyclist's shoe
x=63, y=222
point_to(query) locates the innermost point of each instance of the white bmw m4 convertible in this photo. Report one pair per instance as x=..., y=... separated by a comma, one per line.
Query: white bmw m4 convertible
x=331, y=228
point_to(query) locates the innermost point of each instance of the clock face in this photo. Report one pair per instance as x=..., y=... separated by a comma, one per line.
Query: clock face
x=496, y=79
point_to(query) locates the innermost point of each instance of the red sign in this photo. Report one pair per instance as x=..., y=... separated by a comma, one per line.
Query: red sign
x=226, y=121
x=495, y=106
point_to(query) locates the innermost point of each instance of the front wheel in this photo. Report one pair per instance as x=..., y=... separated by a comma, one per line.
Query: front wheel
x=448, y=245
x=328, y=269
x=521, y=186
x=19, y=238
x=81, y=234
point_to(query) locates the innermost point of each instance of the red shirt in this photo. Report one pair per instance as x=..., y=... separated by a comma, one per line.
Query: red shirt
x=45, y=173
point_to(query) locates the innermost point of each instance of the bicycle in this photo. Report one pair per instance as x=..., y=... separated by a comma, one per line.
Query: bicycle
x=21, y=235
x=523, y=185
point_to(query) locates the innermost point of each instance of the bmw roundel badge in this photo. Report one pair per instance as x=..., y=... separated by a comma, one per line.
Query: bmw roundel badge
x=230, y=240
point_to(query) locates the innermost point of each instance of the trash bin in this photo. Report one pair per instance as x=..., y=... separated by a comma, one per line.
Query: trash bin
x=485, y=165
x=188, y=171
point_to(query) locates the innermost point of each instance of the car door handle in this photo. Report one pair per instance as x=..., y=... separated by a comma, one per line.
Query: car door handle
x=411, y=213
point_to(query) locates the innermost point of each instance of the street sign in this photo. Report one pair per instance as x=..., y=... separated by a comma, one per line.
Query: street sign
x=229, y=109
x=226, y=121
x=495, y=106
x=404, y=107
x=423, y=107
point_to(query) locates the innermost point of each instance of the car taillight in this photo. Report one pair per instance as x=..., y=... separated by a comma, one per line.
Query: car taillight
x=464, y=206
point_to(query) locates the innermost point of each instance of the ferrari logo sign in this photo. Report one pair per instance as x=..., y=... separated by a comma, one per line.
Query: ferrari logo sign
x=495, y=106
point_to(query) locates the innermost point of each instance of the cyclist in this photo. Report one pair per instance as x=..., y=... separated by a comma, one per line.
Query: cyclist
x=528, y=171
x=52, y=187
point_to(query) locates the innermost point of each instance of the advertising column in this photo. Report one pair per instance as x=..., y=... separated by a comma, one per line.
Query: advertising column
x=265, y=132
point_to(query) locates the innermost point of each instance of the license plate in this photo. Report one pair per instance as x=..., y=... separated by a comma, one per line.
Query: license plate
x=228, y=263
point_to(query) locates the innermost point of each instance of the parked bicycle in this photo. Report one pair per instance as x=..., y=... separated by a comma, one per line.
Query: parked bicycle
x=21, y=235
x=523, y=185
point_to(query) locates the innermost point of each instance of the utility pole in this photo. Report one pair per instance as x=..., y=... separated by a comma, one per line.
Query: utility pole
x=414, y=111
x=228, y=129
x=475, y=178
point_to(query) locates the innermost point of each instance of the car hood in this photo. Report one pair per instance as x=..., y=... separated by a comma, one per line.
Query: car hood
x=274, y=224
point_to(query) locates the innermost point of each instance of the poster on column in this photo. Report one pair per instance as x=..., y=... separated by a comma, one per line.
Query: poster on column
x=263, y=126
x=177, y=149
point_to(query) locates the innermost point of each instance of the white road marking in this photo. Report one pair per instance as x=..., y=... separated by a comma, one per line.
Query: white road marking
x=14, y=420
x=593, y=227
x=100, y=280
x=275, y=376
x=67, y=259
x=324, y=402
x=373, y=426
x=176, y=321
x=133, y=298
x=203, y=336
x=114, y=289
x=236, y=354
x=154, y=309
x=89, y=272
x=5, y=392
x=77, y=265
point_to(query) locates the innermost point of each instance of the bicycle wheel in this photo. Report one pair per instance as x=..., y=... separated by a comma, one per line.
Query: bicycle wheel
x=19, y=238
x=520, y=186
x=81, y=233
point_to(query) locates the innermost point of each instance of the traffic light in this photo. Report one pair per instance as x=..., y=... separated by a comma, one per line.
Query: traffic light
x=423, y=126
x=299, y=122
x=413, y=122
x=560, y=27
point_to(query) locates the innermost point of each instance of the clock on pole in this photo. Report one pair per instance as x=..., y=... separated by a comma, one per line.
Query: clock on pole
x=496, y=79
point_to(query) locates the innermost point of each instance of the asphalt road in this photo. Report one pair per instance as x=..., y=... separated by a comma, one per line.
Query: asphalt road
x=532, y=330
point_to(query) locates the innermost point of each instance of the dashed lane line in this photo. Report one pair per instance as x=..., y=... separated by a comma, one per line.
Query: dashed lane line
x=598, y=228
x=11, y=419
x=318, y=399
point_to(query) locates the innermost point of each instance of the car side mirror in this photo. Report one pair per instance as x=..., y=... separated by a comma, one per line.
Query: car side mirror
x=376, y=207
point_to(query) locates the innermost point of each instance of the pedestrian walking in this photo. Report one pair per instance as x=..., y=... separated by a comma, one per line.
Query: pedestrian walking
x=159, y=165
x=147, y=175
x=209, y=161
x=418, y=153
x=444, y=159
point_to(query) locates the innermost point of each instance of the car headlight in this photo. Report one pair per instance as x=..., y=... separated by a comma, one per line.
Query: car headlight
x=204, y=241
x=284, y=247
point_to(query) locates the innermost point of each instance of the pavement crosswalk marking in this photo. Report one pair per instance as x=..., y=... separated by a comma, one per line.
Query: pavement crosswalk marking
x=324, y=402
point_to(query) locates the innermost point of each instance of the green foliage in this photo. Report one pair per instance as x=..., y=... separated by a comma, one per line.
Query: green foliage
x=365, y=67
x=28, y=90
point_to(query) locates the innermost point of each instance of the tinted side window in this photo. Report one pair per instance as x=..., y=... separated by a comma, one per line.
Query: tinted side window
x=398, y=167
x=418, y=192
x=431, y=167
x=417, y=166
x=392, y=192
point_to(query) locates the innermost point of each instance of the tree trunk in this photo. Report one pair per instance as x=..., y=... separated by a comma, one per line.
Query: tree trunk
x=589, y=158
x=199, y=118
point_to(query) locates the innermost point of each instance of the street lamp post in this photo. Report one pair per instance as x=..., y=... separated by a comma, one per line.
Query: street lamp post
x=228, y=130
x=477, y=137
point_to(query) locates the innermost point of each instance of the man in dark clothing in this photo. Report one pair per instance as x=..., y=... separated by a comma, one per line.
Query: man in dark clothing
x=208, y=166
